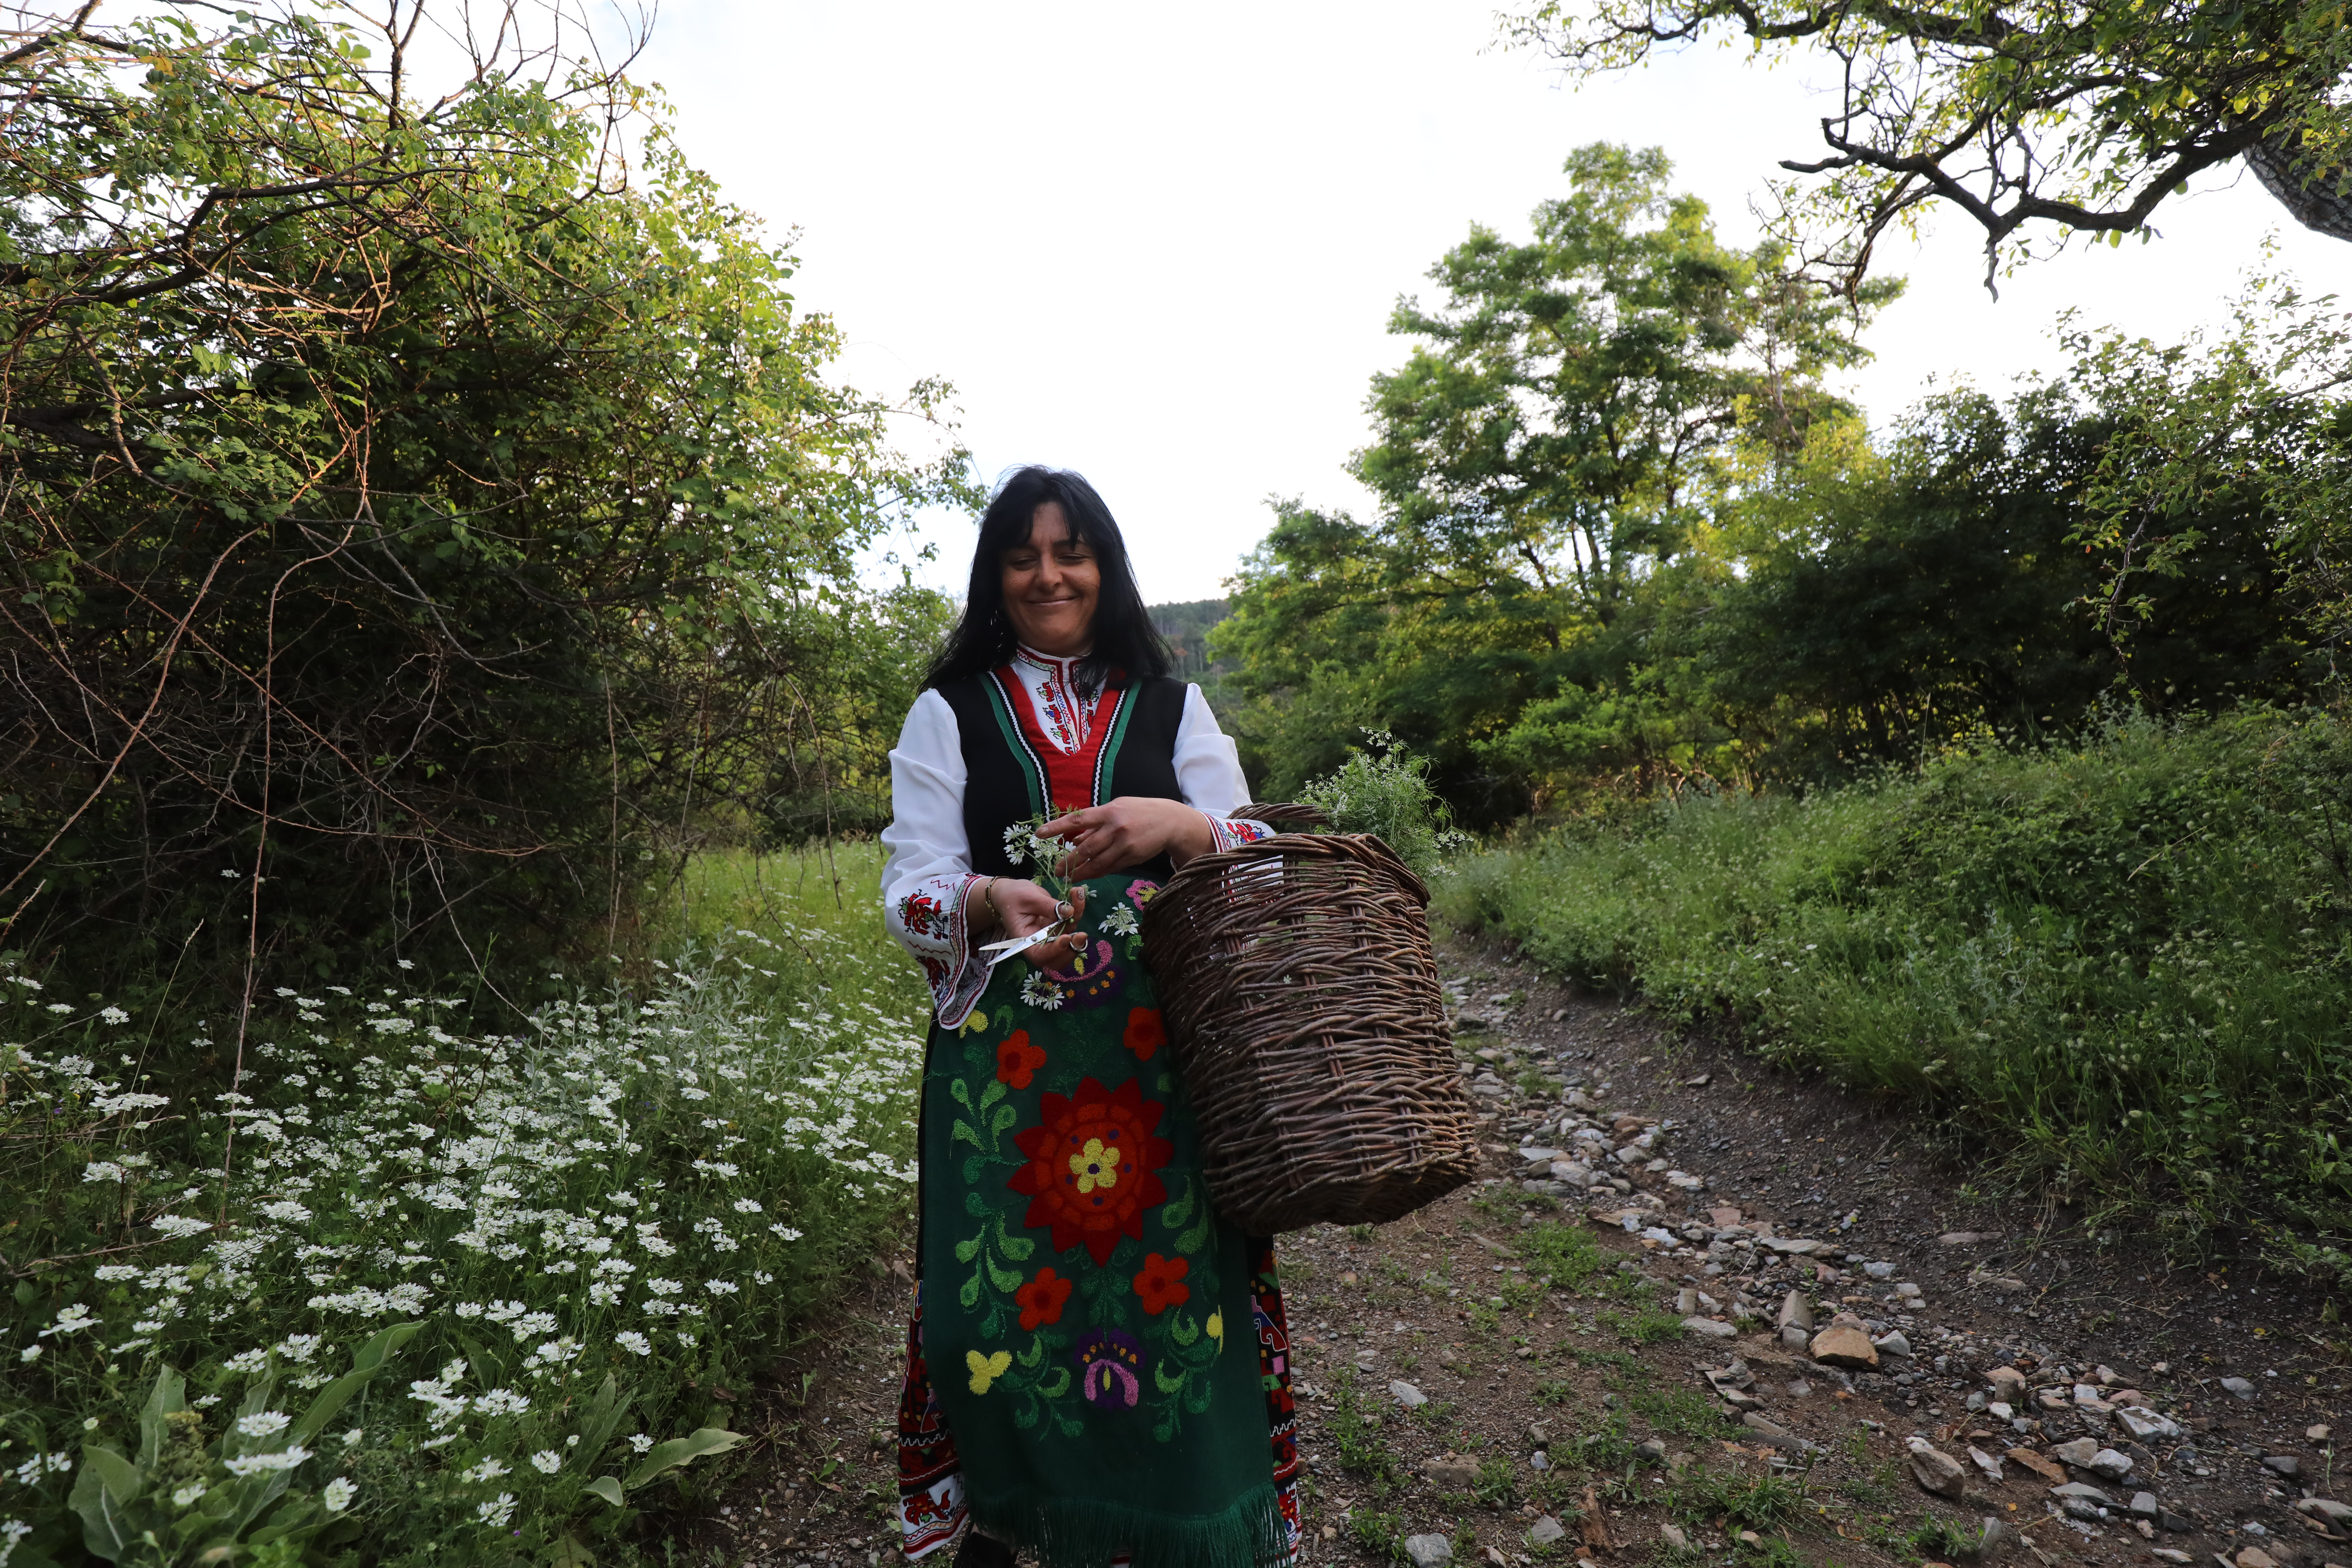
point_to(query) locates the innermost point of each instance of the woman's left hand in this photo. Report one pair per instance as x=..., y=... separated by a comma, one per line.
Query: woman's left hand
x=1128, y=832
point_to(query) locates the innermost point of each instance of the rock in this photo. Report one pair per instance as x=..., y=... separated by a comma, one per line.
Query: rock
x=2286, y=1467
x=2142, y=1423
x=2239, y=1387
x=1879, y=1271
x=1685, y=1300
x=2255, y=1557
x=1428, y=1551
x=2078, y=1452
x=1796, y=1311
x=1840, y=1345
x=1794, y=1338
x=1681, y=1181
x=1701, y=1081
x=1539, y=1460
x=1546, y=1530
x=1995, y=1535
x=2000, y=1411
x=1580, y=1100
x=2107, y=1462
x=2008, y=1285
x=1935, y=1470
x=1772, y=1434
x=2316, y=1434
x=1964, y=1237
x=1674, y=1538
x=1407, y=1395
x=1708, y=1328
x=2008, y=1385
x=1892, y=1343
x=1655, y=1450
x=1572, y=1173
x=1733, y=1374
x=1799, y=1388
x=1794, y=1247
x=1724, y=1218
x=1987, y=1464
x=2167, y=1554
x=2326, y=1512
x=2039, y=1464
x=1450, y=1472
x=2078, y=1491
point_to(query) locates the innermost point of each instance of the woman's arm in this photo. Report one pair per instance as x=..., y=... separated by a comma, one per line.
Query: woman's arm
x=931, y=900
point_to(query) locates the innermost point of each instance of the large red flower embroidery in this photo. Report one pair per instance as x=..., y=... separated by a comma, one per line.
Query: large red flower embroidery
x=1016, y=1058
x=1041, y=1300
x=1162, y=1283
x=1145, y=1032
x=1091, y=1159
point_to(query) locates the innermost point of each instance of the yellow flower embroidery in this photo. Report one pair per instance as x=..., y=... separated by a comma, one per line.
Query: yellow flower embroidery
x=1095, y=1166
x=976, y=1024
x=1215, y=1327
x=986, y=1369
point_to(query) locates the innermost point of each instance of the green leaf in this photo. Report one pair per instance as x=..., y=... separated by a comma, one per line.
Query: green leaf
x=993, y=1093
x=604, y=1487
x=370, y=1360
x=168, y=1396
x=663, y=1457
x=1182, y=1329
x=968, y=1248
x=102, y=1495
x=1167, y=1384
x=970, y=1294
x=1006, y=1280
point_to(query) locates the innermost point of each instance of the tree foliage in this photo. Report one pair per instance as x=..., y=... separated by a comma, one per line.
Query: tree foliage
x=2022, y=114
x=411, y=509
x=1627, y=540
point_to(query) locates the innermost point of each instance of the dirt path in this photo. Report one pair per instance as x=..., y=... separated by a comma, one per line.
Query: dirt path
x=1519, y=1372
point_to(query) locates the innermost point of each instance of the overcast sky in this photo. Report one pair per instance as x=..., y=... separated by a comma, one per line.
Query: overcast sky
x=1159, y=244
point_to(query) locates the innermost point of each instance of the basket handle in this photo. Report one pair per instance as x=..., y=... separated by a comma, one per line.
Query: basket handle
x=1282, y=816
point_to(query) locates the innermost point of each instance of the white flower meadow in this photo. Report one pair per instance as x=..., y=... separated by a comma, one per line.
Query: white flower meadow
x=551, y=1199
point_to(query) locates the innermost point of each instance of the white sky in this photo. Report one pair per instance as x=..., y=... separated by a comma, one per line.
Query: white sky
x=1159, y=244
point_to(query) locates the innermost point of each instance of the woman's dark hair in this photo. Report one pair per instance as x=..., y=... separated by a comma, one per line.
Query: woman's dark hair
x=1125, y=643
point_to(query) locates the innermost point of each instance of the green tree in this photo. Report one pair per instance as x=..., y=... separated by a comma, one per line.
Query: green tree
x=406, y=513
x=2080, y=117
x=1555, y=442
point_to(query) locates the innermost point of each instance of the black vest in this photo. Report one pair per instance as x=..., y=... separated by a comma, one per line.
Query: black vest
x=1003, y=784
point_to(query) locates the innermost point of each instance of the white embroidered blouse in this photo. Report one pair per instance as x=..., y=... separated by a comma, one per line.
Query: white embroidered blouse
x=929, y=872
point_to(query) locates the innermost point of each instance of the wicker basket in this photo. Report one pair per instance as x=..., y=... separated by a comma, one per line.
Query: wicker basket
x=1301, y=997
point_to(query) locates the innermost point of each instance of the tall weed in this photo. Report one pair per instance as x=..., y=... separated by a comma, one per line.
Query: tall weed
x=2119, y=967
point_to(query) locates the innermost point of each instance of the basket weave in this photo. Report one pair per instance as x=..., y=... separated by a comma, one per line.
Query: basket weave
x=1301, y=997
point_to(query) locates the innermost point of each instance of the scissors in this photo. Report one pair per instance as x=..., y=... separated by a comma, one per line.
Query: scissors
x=1011, y=945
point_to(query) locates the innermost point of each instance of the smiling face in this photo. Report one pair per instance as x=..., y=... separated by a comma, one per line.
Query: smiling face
x=1052, y=582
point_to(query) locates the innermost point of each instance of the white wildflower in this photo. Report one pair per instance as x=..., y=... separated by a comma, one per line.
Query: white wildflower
x=547, y=1461
x=187, y=1494
x=265, y=1463
x=641, y=1442
x=338, y=1494
x=497, y=1511
x=490, y=1469
x=627, y=1339
x=747, y=1205
x=266, y=1424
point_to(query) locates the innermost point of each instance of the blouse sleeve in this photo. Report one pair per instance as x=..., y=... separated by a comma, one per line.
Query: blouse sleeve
x=1209, y=775
x=929, y=872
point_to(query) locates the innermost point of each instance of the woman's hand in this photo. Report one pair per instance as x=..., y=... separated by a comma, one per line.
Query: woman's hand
x=1023, y=909
x=1128, y=832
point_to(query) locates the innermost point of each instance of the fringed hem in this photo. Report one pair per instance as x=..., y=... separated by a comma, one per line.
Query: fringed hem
x=1087, y=1532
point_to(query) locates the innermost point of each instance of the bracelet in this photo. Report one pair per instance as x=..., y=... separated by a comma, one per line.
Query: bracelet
x=988, y=897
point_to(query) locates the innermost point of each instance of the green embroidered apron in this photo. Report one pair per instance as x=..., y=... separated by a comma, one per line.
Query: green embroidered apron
x=1086, y=1317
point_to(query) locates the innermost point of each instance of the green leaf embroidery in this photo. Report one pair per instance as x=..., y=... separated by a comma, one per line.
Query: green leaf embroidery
x=1034, y=1355
x=972, y=1168
x=970, y=1294
x=1195, y=1238
x=1174, y=1214
x=993, y=1093
x=1005, y=1117
x=966, y=1248
x=959, y=1093
x=1182, y=1329
x=963, y=1131
x=1060, y=1386
x=1167, y=1384
x=975, y=1205
x=1017, y=1247
x=1005, y=1279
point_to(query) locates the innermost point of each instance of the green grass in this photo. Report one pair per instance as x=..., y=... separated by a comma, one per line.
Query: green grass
x=2127, y=958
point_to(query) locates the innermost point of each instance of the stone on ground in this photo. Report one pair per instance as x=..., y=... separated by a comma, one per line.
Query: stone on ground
x=1450, y=1472
x=1935, y=1470
x=1407, y=1395
x=1839, y=1345
x=1428, y=1551
x=1546, y=1530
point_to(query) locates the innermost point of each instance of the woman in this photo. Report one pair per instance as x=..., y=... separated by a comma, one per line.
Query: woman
x=1098, y=1365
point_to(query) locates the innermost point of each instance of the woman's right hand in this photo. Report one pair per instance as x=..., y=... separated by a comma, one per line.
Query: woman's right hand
x=1023, y=908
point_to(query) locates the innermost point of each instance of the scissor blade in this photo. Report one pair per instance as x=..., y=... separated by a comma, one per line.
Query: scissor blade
x=1022, y=943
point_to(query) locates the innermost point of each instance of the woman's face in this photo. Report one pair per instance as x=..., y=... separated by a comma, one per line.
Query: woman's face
x=1051, y=584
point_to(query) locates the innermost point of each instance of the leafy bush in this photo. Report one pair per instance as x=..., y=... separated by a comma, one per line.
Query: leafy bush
x=1386, y=790
x=568, y=1243
x=2117, y=966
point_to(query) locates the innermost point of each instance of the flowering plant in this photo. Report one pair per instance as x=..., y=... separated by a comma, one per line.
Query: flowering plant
x=574, y=1224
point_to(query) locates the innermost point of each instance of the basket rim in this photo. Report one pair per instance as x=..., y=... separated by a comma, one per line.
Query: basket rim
x=1368, y=845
